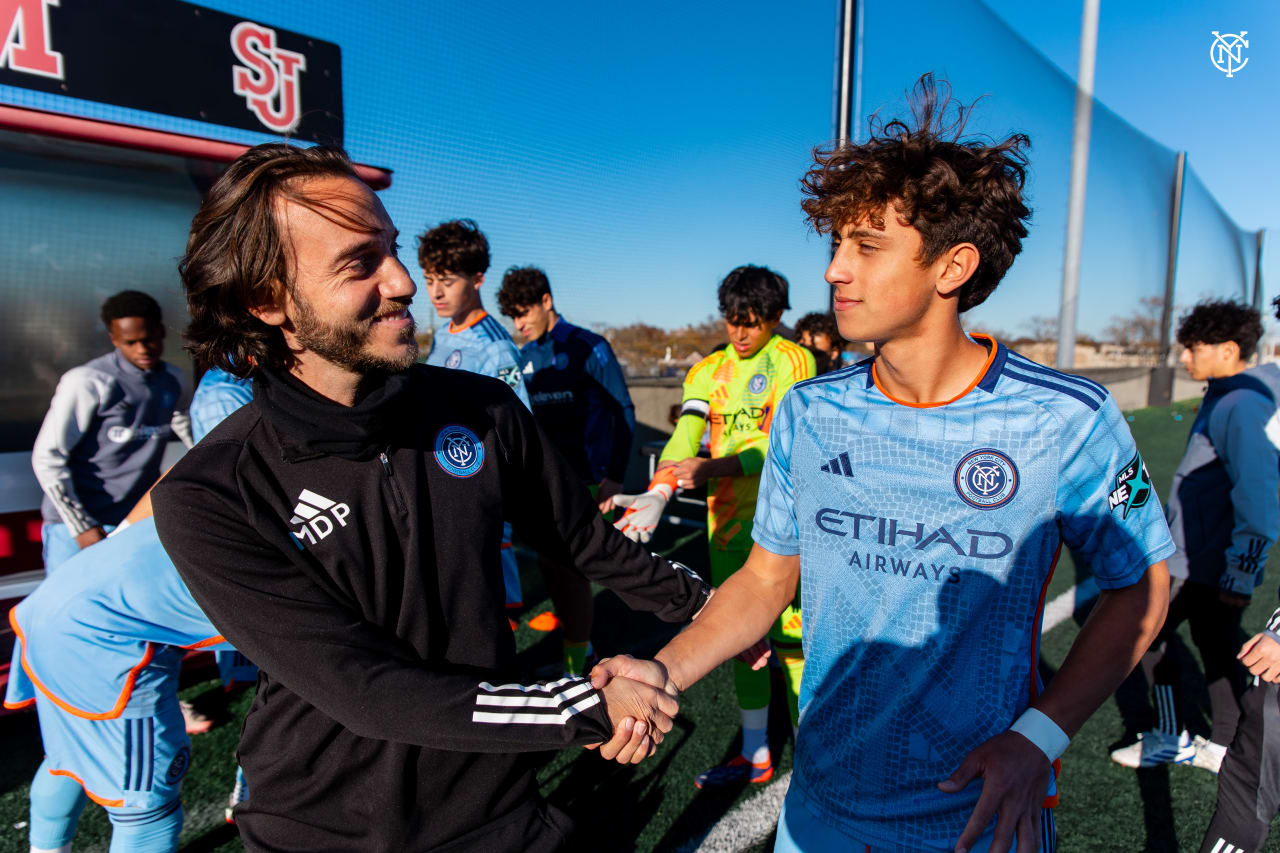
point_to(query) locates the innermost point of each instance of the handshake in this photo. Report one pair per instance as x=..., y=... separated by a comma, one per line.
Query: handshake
x=641, y=700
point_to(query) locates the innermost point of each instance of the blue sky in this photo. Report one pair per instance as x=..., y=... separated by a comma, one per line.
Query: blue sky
x=639, y=152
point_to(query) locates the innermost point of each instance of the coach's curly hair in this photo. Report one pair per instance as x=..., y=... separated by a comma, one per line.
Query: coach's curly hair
x=1216, y=321
x=236, y=256
x=950, y=189
x=458, y=247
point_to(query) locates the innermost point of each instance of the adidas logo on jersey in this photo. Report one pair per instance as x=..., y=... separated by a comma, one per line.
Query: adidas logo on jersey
x=840, y=466
x=313, y=512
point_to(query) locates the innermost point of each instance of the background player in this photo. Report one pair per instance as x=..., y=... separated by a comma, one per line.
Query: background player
x=1224, y=513
x=733, y=394
x=580, y=400
x=920, y=497
x=102, y=441
x=98, y=651
x=454, y=257
x=818, y=333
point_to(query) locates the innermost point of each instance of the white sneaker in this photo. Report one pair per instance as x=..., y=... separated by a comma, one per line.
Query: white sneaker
x=1209, y=755
x=1155, y=748
x=239, y=794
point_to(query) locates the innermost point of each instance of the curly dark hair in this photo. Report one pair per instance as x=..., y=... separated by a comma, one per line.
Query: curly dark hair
x=1216, y=321
x=522, y=287
x=819, y=323
x=950, y=189
x=237, y=257
x=457, y=247
x=751, y=292
x=131, y=303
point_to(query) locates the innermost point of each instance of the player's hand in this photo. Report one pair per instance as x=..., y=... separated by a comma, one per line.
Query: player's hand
x=644, y=510
x=691, y=472
x=757, y=655
x=604, y=497
x=1233, y=600
x=648, y=672
x=1261, y=656
x=90, y=536
x=1015, y=779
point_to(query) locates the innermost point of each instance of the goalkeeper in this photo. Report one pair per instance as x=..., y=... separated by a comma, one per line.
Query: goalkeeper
x=734, y=393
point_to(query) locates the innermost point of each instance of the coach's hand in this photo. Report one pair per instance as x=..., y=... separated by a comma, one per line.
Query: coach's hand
x=1261, y=656
x=640, y=714
x=1015, y=779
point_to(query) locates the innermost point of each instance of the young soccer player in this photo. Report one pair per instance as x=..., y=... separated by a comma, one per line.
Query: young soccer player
x=1224, y=512
x=733, y=393
x=919, y=498
x=818, y=333
x=102, y=441
x=454, y=257
x=580, y=399
x=98, y=652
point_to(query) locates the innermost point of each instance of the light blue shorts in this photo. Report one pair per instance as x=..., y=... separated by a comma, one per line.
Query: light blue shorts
x=132, y=762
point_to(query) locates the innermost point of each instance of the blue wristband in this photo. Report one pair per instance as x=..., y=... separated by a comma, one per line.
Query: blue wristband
x=1036, y=727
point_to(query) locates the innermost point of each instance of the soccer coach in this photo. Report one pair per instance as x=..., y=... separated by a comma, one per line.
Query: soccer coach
x=342, y=531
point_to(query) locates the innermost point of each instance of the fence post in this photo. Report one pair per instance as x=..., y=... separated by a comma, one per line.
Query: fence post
x=1161, y=390
x=1066, y=358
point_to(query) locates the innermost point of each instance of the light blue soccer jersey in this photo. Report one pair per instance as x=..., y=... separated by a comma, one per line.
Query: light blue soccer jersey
x=218, y=395
x=927, y=537
x=482, y=347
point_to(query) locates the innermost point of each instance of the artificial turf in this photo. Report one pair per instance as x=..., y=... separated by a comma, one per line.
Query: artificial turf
x=654, y=806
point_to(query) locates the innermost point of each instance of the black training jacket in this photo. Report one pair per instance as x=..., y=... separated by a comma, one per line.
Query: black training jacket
x=353, y=554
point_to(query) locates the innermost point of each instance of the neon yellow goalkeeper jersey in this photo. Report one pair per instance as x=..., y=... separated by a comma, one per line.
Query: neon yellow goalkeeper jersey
x=737, y=398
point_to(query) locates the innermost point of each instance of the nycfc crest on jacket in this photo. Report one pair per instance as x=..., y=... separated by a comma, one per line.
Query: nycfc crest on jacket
x=927, y=537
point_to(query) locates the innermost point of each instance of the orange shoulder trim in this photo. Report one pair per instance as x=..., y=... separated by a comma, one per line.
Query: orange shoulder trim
x=14, y=706
x=121, y=702
x=111, y=804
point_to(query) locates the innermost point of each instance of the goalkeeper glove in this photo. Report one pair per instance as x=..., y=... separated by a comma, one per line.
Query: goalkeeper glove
x=644, y=510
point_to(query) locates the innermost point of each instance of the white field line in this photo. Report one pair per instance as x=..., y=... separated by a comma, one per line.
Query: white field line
x=751, y=821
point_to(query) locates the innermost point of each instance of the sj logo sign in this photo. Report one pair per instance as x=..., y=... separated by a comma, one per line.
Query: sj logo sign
x=172, y=58
x=267, y=79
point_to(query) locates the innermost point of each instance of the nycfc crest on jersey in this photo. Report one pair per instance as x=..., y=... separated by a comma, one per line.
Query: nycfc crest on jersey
x=758, y=383
x=459, y=451
x=986, y=479
x=454, y=359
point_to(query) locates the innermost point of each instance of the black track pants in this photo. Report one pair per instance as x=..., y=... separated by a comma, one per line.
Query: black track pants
x=1249, y=782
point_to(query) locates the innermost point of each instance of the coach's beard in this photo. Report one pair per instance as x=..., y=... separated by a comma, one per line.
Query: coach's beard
x=347, y=345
